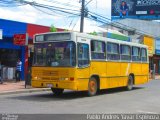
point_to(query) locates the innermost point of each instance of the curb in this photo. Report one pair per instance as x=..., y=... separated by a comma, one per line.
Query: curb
x=27, y=90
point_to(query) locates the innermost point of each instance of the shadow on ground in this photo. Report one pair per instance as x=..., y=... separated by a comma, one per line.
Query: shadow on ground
x=67, y=95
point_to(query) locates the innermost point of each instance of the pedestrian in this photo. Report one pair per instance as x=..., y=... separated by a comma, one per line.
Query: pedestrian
x=18, y=70
x=123, y=9
x=1, y=80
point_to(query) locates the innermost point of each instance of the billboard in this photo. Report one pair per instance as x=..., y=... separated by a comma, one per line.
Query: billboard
x=141, y=9
x=1, y=34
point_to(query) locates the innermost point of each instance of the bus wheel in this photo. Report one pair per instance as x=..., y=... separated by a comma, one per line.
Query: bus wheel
x=57, y=91
x=92, y=86
x=130, y=83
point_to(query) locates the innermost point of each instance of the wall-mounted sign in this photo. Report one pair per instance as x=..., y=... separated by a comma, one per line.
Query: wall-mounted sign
x=20, y=39
x=1, y=34
x=149, y=41
x=157, y=45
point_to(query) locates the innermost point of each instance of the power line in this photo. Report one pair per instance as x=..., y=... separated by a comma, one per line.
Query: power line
x=61, y=10
x=60, y=3
x=53, y=8
x=74, y=25
x=105, y=20
x=49, y=6
x=11, y=3
x=119, y=25
x=43, y=11
x=71, y=22
x=88, y=3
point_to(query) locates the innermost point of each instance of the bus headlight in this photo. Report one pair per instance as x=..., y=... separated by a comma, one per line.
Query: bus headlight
x=36, y=78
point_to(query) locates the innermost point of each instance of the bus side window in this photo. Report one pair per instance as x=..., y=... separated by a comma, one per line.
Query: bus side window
x=143, y=55
x=125, y=52
x=98, y=49
x=83, y=54
x=113, y=51
x=136, y=54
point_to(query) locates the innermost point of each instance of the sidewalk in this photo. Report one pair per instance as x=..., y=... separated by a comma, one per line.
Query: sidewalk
x=157, y=77
x=18, y=87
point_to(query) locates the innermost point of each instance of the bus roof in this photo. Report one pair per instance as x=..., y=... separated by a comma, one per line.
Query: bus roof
x=94, y=37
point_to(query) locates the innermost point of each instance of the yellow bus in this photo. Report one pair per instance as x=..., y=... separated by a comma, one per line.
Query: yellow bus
x=83, y=62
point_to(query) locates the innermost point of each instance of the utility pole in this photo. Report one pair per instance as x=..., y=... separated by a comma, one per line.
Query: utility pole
x=82, y=16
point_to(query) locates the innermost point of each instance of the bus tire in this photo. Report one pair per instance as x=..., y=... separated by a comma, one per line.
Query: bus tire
x=92, y=86
x=57, y=91
x=130, y=83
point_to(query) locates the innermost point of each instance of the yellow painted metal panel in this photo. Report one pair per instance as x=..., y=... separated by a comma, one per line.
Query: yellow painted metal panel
x=82, y=84
x=113, y=68
x=144, y=76
x=104, y=83
x=53, y=72
x=113, y=71
x=136, y=68
x=112, y=74
x=60, y=84
x=99, y=68
x=145, y=69
x=150, y=42
x=140, y=80
x=125, y=68
x=82, y=75
x=56, y=75
x=125, y=71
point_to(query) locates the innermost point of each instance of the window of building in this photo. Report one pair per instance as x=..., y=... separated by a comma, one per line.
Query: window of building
x=98, y=50
x=136, y=54
x=113, y=51
x=143, y=55
x=125, y=52
x=83, y=55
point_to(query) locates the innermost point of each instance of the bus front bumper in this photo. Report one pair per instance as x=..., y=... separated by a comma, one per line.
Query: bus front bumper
x=54, y=84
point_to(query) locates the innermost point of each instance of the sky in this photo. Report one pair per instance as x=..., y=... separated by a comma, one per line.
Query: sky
x=35, y=15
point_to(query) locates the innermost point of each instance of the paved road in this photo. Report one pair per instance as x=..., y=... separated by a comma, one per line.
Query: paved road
x=143, y=99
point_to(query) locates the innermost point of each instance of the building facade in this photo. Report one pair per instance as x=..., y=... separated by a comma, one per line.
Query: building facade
x=10, y=52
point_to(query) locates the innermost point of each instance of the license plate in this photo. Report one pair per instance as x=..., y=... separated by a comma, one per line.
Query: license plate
x=49, y=85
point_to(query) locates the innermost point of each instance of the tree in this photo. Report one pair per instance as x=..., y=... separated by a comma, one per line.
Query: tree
x=66, y=30
x=53, y=28
x=93, y=33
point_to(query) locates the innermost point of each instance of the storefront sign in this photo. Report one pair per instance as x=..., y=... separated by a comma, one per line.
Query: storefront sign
x=116, y=36
x=1, y=34
x=157, y=50
x=20, y=39
x=149, y=41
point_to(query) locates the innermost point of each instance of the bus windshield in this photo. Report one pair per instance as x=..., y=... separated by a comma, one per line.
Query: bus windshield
x=55, y=54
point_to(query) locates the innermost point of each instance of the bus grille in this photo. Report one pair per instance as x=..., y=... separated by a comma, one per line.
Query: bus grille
x=50, y=73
